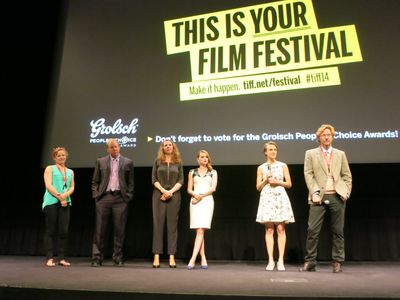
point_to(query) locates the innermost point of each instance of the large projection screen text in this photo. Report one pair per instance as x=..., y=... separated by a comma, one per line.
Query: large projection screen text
x=227, y=76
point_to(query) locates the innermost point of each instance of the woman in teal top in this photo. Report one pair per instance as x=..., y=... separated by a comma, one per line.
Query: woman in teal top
x=59, y=181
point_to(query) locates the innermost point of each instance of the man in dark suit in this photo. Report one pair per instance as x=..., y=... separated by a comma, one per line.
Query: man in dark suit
x=112, y=189
x=329, y=181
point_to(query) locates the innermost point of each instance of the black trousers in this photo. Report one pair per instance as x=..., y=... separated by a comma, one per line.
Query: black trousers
x=56, y=229
x=110, y=205
x=336, y=209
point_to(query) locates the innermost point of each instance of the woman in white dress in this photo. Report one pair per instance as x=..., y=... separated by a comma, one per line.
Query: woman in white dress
x=274, y=209
x=202, y=183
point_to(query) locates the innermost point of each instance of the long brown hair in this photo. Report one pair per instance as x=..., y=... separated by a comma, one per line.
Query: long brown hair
x=176, y=155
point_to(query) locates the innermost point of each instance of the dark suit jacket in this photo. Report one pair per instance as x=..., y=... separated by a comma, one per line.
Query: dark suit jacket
x=101, y=177
x=316, y=171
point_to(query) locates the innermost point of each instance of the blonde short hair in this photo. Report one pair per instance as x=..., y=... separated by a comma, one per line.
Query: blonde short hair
x=322, y=128
x=111, y=141
x=58, y=149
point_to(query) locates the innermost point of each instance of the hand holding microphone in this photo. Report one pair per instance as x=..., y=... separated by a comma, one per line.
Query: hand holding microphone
x=316, y=199
x=269, y=173
x=270, y=179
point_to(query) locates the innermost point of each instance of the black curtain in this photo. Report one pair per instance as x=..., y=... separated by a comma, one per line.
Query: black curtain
x=371, y=229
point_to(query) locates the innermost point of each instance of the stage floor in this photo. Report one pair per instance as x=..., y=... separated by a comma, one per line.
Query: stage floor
x=26, y=276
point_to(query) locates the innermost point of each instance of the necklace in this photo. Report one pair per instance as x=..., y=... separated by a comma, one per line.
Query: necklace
x=63, y=171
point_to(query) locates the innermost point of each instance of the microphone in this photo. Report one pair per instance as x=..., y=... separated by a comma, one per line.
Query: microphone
x=269, y=175
x=326, y=202
x=323, y=201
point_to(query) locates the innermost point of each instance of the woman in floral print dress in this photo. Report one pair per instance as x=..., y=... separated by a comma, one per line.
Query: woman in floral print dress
x=274, y=208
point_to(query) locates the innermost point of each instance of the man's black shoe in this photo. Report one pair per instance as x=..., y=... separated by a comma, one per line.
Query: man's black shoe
x=308, y=267
x=96, y=263
x=118, y=263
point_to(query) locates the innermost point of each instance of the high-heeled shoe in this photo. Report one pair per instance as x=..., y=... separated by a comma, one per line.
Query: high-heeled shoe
x=189, y=267
x=204, y=267
x=156, y=261
x=172, y=263
x=64, y=263
x=50, y=263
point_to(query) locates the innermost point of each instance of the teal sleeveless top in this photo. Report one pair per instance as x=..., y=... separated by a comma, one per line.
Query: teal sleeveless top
x=58, y=183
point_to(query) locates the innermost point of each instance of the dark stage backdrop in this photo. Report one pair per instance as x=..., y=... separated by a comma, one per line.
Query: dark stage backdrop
x=372, y=218
x=373, y=213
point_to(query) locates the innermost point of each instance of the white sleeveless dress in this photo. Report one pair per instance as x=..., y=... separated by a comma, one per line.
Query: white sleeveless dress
x=201, y=213
x=274, y=205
